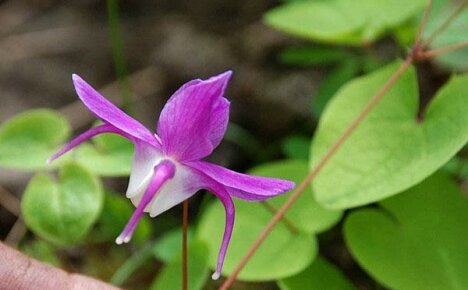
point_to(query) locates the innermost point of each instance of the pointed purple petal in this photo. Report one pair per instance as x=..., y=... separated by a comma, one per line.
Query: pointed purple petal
x=105, y=128
x=219, y=121
x=220, y=192
x=243, y=186
x=109, y=113
x=162, y=173
x=194, y=119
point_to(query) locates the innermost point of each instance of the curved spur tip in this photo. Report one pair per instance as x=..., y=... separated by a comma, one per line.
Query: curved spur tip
x=122, y=240
x=215, y=276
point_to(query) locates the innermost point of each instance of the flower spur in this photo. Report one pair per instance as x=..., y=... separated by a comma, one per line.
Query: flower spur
x=167, y=167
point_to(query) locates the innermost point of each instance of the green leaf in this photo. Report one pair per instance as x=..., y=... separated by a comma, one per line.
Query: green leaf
x=62, y=212
x=453, y=34
x=42, y=251
x=457, y=166
x=332, y=82
x=306, y=214
x=415, y=240
x=342, y=21
x=319, y=275
x=111, y=155
x=171, y=275
x=391, y=150
x=314, y=55
x=283, y=253
x=30, y=138
x=296, y=147
x=116, y=212
x=170, y=244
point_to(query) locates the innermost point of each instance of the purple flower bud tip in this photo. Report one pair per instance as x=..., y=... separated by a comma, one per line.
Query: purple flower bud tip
x=123, y=239
x=215, y=276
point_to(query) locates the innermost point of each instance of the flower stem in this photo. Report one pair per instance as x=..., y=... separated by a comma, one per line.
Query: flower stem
x=185, y=209
x=423, y=23
x=291, y=227
x=459, y=9
x=443, y=50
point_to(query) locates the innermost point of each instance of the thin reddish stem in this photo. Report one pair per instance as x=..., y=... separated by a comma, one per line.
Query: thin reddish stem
x=442, y=50
x=459, y=9
x=185, y=210
x=422, y=24
x=291, y=227
x=306, y=182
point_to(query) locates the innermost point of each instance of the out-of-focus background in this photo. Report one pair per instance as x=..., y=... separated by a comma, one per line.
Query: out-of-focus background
x=137, y=53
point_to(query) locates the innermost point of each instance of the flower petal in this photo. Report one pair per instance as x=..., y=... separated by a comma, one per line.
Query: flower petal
x=164, y=171
x=105, y=128
x=109, y=113
x=194, y=119
x=220, y=192
x=243, y=186
x=182, y=186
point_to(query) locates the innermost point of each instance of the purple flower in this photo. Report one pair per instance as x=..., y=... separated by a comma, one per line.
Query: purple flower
x=167, y=167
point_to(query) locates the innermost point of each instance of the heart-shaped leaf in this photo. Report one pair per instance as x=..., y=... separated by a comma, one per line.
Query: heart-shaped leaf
x=170, y=276
x=30, y=138
x=415, y=240
x=306, y=214
x=284, y=252
x=354, y=22
x=392, y=149
x=319, y=275
x=62, y=212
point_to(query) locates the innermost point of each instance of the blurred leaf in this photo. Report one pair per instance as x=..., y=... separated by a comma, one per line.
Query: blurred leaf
x=42, y=251
x=306, y=214
x=455, y=33
x=391, y=150
x=415, y=240
x=111, y=155
x=457, y=166
x=332, y=83
x=342, y=21
x=314, y=55
x=318, y=276
x=284, y=253
x=170, y=276
x=116, y=212
x=62, y=212
x=170, y=244
x=30, y=138
x=296, y=147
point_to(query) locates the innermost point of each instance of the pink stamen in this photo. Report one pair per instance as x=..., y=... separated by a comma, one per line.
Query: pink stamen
x=162, y=173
